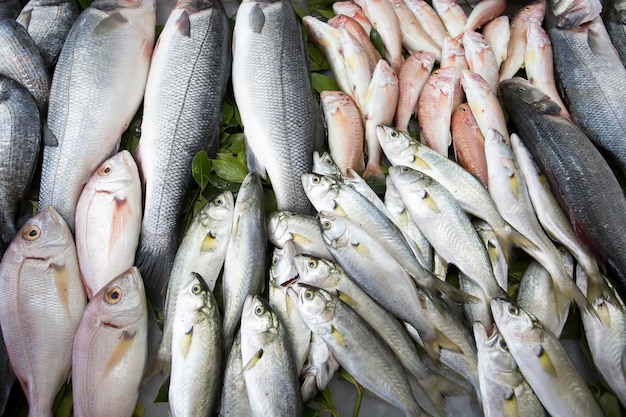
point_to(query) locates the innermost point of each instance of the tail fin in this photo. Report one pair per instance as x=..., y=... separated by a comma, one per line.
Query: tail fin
x=161, y=364
x=154, y=259
x=509, y=237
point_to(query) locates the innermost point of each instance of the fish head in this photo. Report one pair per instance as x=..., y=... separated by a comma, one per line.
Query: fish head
x=404, y=177
x=195, y=6
x=258, y=320
x=196, y=294
x=325, y=165
x=314, y=304
x=278, y=226
x=496, y=149
x=220, y=208
x=574, y=13
x=474, y=84
x=395, y=143
x=316, y=271
x=115, y=174
x=42, y=237
x=283, y=272
x=122, y=302
x=321, y=190
x=491, y=345
x=474, y=40
x=332, y=226
x=515, y=323
x=112, y=6
x=250, y=192
x=517, y=92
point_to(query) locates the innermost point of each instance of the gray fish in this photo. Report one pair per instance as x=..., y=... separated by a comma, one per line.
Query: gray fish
x=282, y=121
x=20, y=134
x=10, y=8
x=181, y=117
x=592, y=80
x=577, y=174
x=615, y=21
x=48, y=22
x=20, y=59
x=85, y=120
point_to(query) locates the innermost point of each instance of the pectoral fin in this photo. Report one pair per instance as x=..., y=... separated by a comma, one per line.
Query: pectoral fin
x=110, y=23
x=253, y=361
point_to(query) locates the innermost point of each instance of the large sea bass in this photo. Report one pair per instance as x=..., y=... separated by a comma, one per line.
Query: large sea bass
x=182, y=113
x=97, y=87
x=272, y=86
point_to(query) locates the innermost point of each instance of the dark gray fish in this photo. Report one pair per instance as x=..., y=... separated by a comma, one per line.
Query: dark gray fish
x=20, y=59
x=10, y=8
x=182, y=112
x=579, y=176
x=592, y=80
x=48, y=22
x=614, y=16
x=272, y=86
x=20, y=134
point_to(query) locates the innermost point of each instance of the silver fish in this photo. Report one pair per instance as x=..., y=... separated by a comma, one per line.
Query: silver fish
x=19, y=142
x=41, y=260
x=110, y=349
x=234, y=400
x=196, y=352
x=86, y=121
x=283, y=122
x=302, y=230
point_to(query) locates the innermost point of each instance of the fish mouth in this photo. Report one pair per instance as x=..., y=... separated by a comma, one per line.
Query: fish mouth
x=492, y=334
x=290, y=282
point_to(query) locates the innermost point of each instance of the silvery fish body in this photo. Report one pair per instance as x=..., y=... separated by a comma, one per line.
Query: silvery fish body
x=48, y=22
x=39, y=335
x=110, y=349
x=108, y=220
x=282, y=121
x=20, y=59
x=301, y=229
x=86, y=121
x=234, y=400
x=181, y=117
x=196, y=352
x=20, y=135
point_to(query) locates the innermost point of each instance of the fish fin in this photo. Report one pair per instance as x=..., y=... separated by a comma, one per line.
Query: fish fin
x=161, y=364
x=338, y=210
x=49, y=139
x=418, y=163
x=509, y=405
x=374, y=174
x=514, y=185
x=437, y=388
x=361, y=250
x=126, y=341
x=451, y=293
x=338, y=337
x=154, y=259
x=254, y=165
x=440, y=341
x=110, y=23
x=300, y=240
x=544, y=360
x=209, y=243
x=508, y=237
x=430, y=202
x=183, y=25
x=61, y=278
x=185, y=343
x=565, y=295
x=122, y=213
x=24, y=17
x=347, y=299
x=257, y=19
x=253, y=361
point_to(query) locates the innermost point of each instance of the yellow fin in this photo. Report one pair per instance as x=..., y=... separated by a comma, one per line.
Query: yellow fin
x=185, y=344
x=122, y=213
x=61, y=278
x=126, y=341
x=509, y=406
x=420, y=163
x=338, y=337
x=347, y=299
x=300, y=240
x=440, y=341
x=513, y=185
x=338, y=210
x=289, y=305
x=545, y=361
x=209, y=243
x=430, y=202
x=253, y=361
x=361, y=250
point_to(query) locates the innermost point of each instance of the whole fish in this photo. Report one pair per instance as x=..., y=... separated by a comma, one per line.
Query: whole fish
x=503, y=389
x=20, y=59
x=19, y=150
x=612, y=15
x=282, y=121
x=244, y=264
x=48, y=22
x=544, y=363
x=196, y=352
x=607, y=337
x=429, y=20
x=497, y=33
x=110, y=349
x=484, y=104
x=484, y=12
x=434, y=109
x=516, y=50
x=468, y=142
x=202, y=251
x=357, y=67
x=108, y=221
x=412, y=77
x=302, y=230
x=357, y=348
x=41, y=259
x=86, y=121
x=268, y=365
x=181, y=117
x=234, y=400
x=481, y=58
x=383, y=18
x=559, y=147
x=592, y=79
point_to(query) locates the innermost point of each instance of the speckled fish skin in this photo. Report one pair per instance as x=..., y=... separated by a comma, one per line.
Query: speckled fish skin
x=196, y=352
x=108, y=221
x=613, y=17
x=302, y=230
x=497, y=33
x=20, y=59
x=83, y=118
x=559, y=147
x=592, y=79
x=181, y=117
x=468, y=143
x=268, y=365
x=504, y=391
x=20, y=135
x=48, y=22
x=607, y=337
x=39, y=335
x=412, y=77
x=357, y=348
x=110, y=349
x=282, y=119
x=544, y=363
x=202, y=250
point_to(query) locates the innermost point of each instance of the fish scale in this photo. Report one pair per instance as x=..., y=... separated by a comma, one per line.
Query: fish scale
x=271, y=81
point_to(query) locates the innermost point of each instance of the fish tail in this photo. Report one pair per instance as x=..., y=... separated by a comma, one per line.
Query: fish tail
x=451, y=293
x=155, y=264
x=438, y=388
x=509, y=237
x=567, y=291
x=373, y=173
x=439, y=341
x=161, y=364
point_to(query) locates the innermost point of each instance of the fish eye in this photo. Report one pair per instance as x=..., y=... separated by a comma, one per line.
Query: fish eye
x=106, y=169
x=503, y=345
x=113, y=296
x=513, y=310
x=521, y=89
x=259, y=310
x=196, y=289
x=219, y=201
x=312, y=263
x=308, y=295
x=394, y=134
x=32, y=233
x=316, y=179
x=326, y=225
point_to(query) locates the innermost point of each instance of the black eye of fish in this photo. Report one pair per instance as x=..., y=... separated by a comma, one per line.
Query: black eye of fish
x=326, y=225
x=106, y=170
x=521, y=89
x=316, y=179
x=219, y=202
x=312, y=263
x=394, y=134
x=308, y=295
x=31, y=233
x=513, y=310
x=503, y=345
x=196, y=289
x=259, y=310
x=114, y=295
